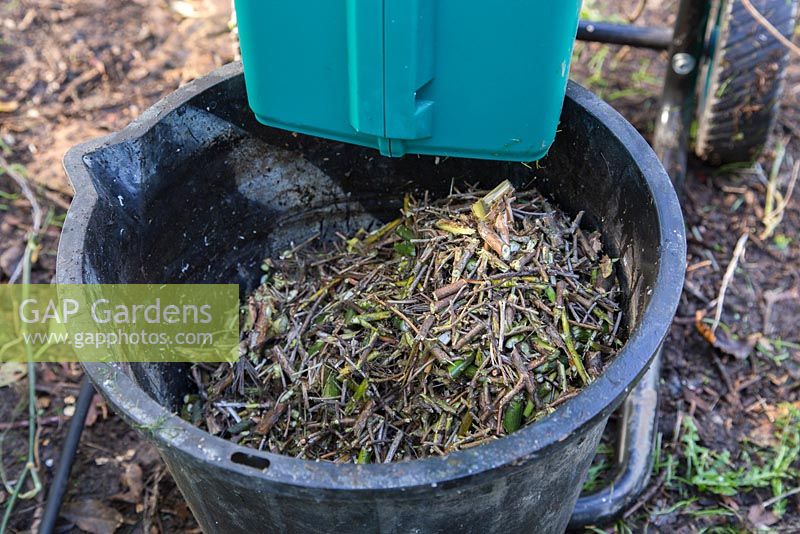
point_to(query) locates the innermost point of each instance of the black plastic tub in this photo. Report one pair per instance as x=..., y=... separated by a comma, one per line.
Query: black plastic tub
x=197, y=191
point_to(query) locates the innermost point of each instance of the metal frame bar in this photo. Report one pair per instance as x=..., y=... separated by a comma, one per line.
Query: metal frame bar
x=637, y=431
x=678, y=106
x=625, y=34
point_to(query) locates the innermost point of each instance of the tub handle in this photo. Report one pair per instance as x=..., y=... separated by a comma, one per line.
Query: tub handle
x=633, y=455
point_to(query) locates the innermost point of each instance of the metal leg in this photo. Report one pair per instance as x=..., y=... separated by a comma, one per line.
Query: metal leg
x=677, y=108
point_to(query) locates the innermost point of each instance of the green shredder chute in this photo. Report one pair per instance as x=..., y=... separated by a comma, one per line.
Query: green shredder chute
x=467, y=78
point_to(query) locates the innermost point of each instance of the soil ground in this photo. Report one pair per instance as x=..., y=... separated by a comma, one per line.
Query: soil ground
x=77, y=69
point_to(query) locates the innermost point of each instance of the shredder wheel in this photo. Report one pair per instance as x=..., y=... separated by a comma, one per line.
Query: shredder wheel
x=742, y=79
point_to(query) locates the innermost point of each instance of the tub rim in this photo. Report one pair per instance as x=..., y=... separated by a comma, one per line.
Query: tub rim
x=596, y=401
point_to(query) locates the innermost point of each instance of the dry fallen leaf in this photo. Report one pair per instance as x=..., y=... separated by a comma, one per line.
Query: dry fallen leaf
x=606, y=267
x=730, y=502
x=780, y=410
x=92, y=516
x=11, y=373
x=760, y=518
x=132, y=479
x=92, y=415
x=739, y=349
x=9, y=107
x=765, y=435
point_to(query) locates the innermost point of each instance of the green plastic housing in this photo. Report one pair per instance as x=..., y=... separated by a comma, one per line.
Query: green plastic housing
x=466, y=78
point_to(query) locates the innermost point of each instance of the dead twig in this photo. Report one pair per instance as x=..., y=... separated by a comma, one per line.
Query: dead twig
x=773, y=214
x=637, y=12
x=23, y=184
x=777, y=498
x=761, y=19
x=36, y=209
x=738, y=251
x=646, y=496
x=53, y=420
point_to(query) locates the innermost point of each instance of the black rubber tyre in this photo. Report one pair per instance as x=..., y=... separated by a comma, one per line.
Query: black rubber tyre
x=740, y=85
